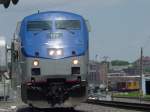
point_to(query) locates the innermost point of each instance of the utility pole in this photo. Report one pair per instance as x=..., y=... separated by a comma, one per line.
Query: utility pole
x=141, y=74
x=105, y=82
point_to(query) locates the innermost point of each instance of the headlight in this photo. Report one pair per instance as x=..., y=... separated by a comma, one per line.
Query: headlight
x=35, y=63
x=75, y=61
x=55, y=52
x=59, y=52
x=51, y=52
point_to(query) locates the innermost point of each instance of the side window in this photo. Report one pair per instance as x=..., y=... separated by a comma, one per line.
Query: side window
x=129, y=84
x=134, y=83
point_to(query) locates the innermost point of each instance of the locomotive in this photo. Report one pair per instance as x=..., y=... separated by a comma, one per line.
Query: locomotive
x=50, y=59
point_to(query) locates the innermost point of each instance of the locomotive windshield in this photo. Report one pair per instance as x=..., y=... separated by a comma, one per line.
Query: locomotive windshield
x=39, y=25
x=67, y=24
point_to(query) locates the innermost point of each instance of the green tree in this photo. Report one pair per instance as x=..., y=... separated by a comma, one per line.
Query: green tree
x=146, y=69
x=119, y=63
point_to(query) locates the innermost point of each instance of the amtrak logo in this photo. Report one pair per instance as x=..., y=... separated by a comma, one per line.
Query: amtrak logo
x=53, y=36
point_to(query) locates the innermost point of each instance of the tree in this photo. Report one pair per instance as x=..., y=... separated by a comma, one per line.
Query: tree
x=119, y=63
x=146, y=69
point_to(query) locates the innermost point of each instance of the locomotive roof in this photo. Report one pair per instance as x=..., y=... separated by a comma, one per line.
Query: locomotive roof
x=54, y=14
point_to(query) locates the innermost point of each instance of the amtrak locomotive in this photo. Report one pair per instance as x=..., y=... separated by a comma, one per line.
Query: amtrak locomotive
x=52, y=54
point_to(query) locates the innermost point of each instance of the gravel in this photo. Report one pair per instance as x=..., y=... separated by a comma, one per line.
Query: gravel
x=97, y=108
x=12, y=107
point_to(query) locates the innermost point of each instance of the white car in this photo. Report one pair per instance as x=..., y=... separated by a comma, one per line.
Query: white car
x=7, y=2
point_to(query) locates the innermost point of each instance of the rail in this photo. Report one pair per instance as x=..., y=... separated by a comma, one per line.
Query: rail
x=124, y=105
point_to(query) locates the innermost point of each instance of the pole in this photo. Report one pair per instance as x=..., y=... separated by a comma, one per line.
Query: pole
x=106, y=70
x=141, y=74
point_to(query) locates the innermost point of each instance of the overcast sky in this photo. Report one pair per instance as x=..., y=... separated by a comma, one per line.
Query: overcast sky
x=119, y=27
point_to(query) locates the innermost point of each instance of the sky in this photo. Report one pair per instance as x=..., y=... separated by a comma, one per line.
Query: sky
x=118, y=27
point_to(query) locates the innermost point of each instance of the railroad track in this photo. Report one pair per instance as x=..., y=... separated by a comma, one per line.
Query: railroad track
x=124, y=105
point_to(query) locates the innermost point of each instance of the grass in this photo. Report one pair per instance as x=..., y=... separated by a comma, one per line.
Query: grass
x=147, y=97
x=126, y=94
x=134, y=94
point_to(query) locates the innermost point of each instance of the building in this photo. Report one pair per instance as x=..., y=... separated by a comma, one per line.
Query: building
x=122, y=81
x=97, y=73
x=145, y=63
x=117, y=68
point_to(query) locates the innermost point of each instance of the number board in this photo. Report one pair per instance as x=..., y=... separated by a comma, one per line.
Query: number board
x=53, y=36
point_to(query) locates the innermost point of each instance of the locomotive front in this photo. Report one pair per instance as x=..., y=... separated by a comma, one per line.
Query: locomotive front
x=54, y=49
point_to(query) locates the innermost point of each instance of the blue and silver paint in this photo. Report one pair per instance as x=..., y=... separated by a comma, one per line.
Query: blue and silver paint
x=36, y=44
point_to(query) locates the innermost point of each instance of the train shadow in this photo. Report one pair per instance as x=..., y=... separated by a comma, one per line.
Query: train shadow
x=29, y=109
